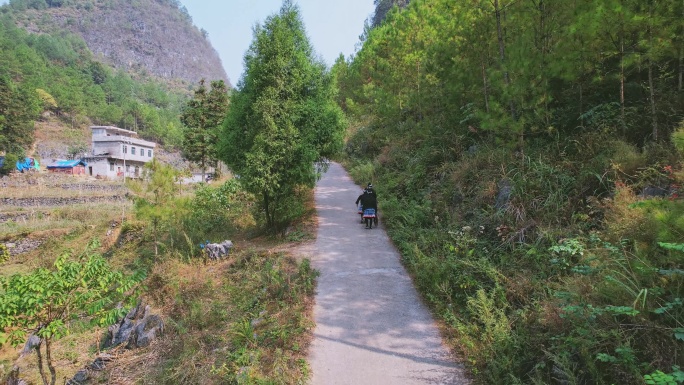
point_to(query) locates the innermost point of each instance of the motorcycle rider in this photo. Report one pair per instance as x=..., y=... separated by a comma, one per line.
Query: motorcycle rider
x=360, y=200
x=369, y=200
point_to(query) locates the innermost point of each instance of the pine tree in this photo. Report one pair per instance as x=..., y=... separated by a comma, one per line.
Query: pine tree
x=283, y=117
x=202, y=118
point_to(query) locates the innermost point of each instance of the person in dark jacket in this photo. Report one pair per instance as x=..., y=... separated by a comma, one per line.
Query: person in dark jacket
x=359, y=200
x=369, y=200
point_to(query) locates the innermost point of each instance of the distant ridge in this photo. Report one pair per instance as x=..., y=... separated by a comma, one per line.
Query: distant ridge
x=149, y=37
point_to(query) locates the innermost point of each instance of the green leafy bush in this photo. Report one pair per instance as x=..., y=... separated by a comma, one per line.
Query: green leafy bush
x=44, y=302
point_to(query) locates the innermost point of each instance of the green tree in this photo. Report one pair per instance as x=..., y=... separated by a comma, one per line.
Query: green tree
x=9, y=164
x=154, y=197
x=18, y=109
x=43, y=303
x=202, y=118
x=282, y=118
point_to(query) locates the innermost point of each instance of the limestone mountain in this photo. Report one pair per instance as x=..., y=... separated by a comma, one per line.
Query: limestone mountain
x=149, y=37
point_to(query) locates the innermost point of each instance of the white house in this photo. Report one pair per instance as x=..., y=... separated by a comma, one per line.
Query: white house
x=117, y=153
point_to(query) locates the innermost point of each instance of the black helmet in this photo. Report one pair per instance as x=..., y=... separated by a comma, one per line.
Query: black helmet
x=370, y=185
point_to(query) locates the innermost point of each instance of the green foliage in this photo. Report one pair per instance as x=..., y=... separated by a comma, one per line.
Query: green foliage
x=507, y=140
x=10, y=164
x=678, y=138
x=154, y=198
x=58, y=74
x=18, y=109
x=216, y=212
x=660, y=378
x=45, y=302
x=202, y=118
x=282, y=119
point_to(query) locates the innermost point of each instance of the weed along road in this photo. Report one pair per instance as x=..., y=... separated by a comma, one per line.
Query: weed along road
x=371, y=326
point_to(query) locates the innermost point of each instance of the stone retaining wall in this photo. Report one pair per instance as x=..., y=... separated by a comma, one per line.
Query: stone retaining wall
x=58, y=201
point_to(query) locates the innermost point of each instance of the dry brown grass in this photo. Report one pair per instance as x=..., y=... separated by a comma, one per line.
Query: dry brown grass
x=193, y=298
x=622, y=221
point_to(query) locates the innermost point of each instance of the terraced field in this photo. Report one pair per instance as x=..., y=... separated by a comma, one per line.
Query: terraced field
x=41, y=214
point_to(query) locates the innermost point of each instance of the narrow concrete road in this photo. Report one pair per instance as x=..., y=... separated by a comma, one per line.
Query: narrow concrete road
x=371, y=326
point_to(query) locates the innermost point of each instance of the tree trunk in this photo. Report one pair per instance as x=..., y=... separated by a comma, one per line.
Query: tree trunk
x=654, y=118
x=622, y=75
x=499, y=36
x=41, y=367
x=681, y=66
x=484, y=88
x=48, y=358
x=502, y=52
x=203, y=168
x=267, y=209
x=651, y=86
x=154, y=230
x=681, y=51
x=581, y=104
x=543, y=46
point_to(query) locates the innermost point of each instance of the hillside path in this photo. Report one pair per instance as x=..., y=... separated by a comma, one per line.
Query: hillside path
x=371, y=326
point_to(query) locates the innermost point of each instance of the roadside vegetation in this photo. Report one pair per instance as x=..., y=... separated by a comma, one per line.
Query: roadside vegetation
x=528, y=160
x=245, y=318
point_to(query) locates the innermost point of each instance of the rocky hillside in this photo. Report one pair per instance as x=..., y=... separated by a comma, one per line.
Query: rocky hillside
x=144, y=36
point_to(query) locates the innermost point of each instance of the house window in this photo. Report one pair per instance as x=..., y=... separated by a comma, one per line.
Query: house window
x=128, y=168
x=149, y=153
x=132, y=150
x=125, y=149
x=111, y=167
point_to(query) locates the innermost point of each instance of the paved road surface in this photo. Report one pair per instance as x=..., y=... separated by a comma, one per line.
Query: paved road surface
x=371, y=327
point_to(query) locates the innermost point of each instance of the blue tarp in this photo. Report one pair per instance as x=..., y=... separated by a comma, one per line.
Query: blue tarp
x=68, y=164
x=27, y=164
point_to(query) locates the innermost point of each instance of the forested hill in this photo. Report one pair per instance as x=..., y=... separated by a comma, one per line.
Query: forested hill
x=146, y=36
x=529, y=159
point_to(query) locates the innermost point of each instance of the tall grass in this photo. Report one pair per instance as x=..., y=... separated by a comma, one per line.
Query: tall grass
x=563, y=282
x=247, y=324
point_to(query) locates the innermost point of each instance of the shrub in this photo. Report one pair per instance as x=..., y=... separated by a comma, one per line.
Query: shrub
x=9, y=165
x=45, y=301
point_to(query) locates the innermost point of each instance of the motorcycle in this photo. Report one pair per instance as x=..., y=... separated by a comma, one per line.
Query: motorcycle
x=369, y=217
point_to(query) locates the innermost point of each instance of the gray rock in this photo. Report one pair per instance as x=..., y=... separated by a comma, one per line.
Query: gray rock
x=59, y=201
x=147, y=330
x=31, y=343
x=216, y=251
x=23, y=246
x=13, y=377
x=137, y=329
x=654, y=191
x=260, y=320
x=121, y=333
x=101, y=361
x=504, y=195
x=80, y=377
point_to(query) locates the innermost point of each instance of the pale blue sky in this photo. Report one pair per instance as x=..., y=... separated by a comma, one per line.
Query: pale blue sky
x=333, y=26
